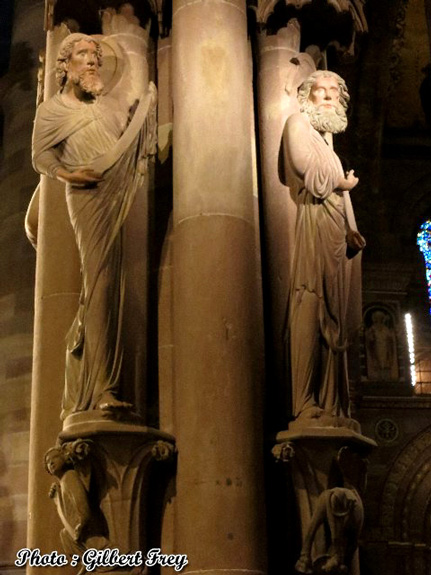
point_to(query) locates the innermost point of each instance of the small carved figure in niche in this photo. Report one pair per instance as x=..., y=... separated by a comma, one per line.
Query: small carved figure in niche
x=83, y=526
x=324, y=308
x=74, y=129
x=381, y=348
x=341, y=510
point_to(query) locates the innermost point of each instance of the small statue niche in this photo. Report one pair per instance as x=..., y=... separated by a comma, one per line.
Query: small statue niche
x=380, y=345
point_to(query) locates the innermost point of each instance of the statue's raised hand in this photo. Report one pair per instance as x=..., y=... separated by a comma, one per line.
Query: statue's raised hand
x=349, y=182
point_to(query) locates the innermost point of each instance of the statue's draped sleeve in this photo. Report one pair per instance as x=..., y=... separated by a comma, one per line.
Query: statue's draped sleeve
x=54, y=123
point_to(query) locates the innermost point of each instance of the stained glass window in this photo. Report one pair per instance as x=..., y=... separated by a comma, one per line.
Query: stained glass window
x=424, y=243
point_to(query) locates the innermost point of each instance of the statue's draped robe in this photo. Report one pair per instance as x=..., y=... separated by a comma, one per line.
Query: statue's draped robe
x=72, y=502
x=73, y=135
x=324, y=298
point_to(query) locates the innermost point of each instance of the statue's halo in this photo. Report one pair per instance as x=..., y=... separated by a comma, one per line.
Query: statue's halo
x=113, y=63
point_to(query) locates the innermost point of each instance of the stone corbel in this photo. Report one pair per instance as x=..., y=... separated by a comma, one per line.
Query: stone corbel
x=340, y=510
x=103, y=486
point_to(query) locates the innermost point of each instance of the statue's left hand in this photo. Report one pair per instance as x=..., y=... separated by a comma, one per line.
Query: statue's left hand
x=80, y=177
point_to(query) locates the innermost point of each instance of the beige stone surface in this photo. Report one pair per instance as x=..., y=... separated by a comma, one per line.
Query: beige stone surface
x=17, y=181
x=215, y=297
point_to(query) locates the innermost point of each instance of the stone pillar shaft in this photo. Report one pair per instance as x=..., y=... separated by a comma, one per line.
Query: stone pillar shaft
x=277, y=81
x=220, y=516
x=56, y=300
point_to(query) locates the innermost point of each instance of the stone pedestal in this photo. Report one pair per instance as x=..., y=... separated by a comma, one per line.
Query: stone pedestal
x=326, y=462
x=116, y=461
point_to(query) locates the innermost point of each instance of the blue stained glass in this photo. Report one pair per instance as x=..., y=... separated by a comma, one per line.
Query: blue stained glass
x=424, y=243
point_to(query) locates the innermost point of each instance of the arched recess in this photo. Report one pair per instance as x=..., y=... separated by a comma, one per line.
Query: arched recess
x=417, y=197
x=406, y=502
x=381, y=343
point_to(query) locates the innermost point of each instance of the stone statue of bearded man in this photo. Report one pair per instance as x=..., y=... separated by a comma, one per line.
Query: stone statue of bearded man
x=324, y=296
x=75, y=128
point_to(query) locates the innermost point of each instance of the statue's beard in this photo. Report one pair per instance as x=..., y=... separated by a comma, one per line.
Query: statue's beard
x=90, y=82
x=333, y=120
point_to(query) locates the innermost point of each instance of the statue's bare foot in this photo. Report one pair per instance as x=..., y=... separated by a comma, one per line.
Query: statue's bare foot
x=313, y=412
x=303, y=565
x=334, y=565
x=109, y=402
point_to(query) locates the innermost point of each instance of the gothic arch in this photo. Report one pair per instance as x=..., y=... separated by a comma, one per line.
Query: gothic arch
x=417, y=197
x=406, y=502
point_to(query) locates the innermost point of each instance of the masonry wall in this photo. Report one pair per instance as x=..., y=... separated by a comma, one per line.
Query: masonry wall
x=17, y=263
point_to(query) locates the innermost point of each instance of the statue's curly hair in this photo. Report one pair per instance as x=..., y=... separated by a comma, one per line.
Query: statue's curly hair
x=65, y=52
x=305, y=88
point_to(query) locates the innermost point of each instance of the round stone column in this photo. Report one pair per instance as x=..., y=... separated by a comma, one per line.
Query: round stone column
x=17, y=259
x=56, y=300
x=220, y=517
x=281, y=69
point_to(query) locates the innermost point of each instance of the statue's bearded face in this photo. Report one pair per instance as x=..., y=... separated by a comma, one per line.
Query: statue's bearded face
x=83, y=68
x=323, y=106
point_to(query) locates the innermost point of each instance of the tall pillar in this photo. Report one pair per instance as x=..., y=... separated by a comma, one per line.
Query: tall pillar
x=281, y=69
x=17, y=182
x=220, y=516
x=165, y=271
x=327, y=464
x=56, y=300
x=121, y=447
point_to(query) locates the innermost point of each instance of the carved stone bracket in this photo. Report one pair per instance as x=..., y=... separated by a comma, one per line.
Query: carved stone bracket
x=327, y=467
x=107, y=474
